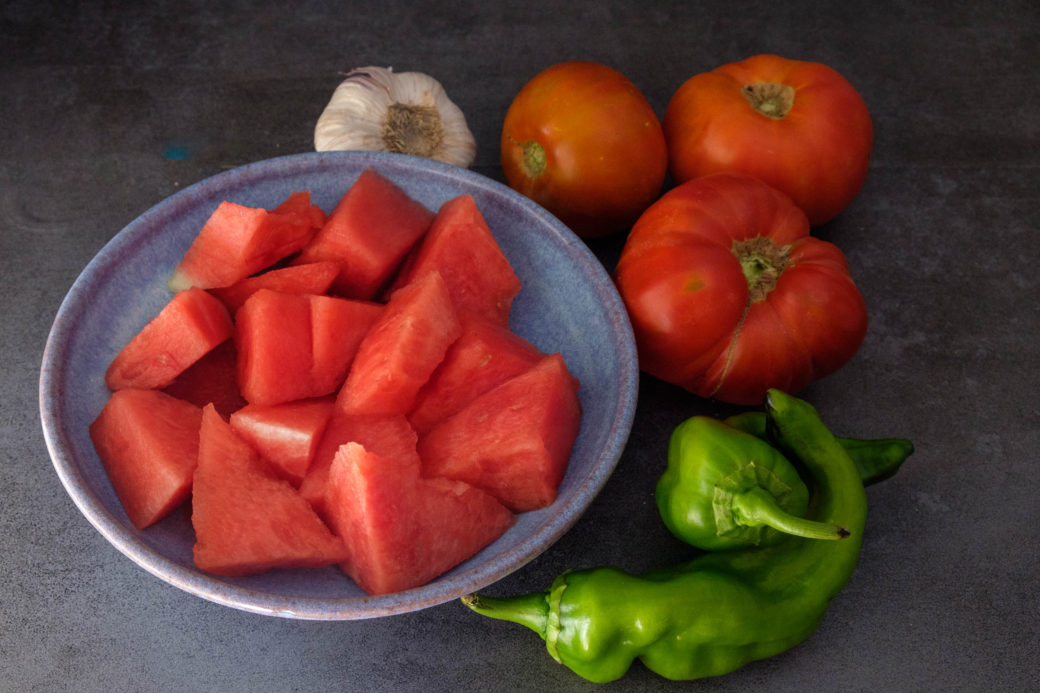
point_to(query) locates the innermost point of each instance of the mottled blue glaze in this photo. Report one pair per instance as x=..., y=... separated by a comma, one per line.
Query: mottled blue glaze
x=568, y=304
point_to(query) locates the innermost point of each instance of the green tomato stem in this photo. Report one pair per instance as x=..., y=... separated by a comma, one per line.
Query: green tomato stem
x=757, y=508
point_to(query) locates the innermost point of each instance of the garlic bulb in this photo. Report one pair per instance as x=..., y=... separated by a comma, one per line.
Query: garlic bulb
x=409, y=113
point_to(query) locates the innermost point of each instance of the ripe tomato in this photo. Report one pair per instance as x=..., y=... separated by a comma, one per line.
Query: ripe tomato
x=729, y=295
x=799, y=126
x=582, y=141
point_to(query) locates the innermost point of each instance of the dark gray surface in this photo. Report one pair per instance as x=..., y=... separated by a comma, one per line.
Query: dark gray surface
x=943, y=241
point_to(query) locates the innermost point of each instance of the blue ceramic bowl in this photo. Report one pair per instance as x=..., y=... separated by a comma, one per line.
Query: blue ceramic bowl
x=568, y=304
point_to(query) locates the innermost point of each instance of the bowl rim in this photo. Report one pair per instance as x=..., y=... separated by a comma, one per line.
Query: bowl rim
x=441, y=590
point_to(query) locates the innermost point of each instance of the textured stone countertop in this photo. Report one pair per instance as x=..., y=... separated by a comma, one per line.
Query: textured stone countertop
x=110, y=107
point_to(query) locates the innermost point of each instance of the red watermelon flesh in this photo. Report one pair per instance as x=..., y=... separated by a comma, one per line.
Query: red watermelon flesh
x=402, y=531
x=338, y=325
x=273, y=338
x=485, y=355
x=211, y=379
x=148, y=442
x=287, y=435
x=461, y=247
x=402, y=349
x=389, y=436
x=312, y=278
x=248, y=520
x=369, y=233
x=298, y=346
x=513, y=441
x=300, y=203
x=237, y=241
x=187, y=328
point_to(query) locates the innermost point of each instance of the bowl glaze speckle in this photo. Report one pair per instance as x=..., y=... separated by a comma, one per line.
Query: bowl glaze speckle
x=568, y=304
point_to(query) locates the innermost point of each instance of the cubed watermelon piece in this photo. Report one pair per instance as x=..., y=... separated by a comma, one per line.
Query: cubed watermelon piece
x=338, y=325
x=247, y=519
x=484, y=356
x=298, y=346
x=273, y=338
x=299, y=202
x=369, y=233
x=191, y=324
x=390, y=436
x=287, y=435
x=148, y=442
x=312, y=278
x=237, y=241
x=402, y=531
x=513, y=441
x=213, y=379
x=461, y=247
x=402, y=349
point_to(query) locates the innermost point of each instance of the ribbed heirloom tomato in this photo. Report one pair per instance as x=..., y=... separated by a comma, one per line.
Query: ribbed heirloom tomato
x=582, y=141
x=729, y=295
x=799, y=126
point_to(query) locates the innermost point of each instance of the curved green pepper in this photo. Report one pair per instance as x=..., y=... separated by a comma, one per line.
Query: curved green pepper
x=720, y=610
x=724, y=489
x=876, y=459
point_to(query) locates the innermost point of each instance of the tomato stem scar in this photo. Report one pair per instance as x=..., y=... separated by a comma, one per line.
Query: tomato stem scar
x=534, y=159
x=771, y=99
x=762, y=262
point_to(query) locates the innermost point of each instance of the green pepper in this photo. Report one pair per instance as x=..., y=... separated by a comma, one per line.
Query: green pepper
x=876, y=459
x=720, y=610
x=725, y=489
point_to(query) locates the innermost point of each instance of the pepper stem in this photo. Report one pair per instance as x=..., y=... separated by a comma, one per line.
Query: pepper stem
x=756, y=507
x=531, y=610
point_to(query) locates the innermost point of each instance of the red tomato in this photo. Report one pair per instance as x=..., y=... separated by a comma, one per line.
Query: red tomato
x=729, y=295
x=799, y=126
x=582, y=141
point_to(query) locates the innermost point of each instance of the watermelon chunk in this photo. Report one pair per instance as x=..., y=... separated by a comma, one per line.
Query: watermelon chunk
x=402, y=349
x=273, y=338
x=513, y=441
x=148, y=442
x=390, y=436
x=248, y=520
x=298, y=346
x=369, y=233
x=299, y=203
x=485, y=355
x=213, y=379
x=338, y=325
x=312, y=278
x=188, y=327
x=402, y=531
x=287, y=435
x=461, y=247
x=237, y=241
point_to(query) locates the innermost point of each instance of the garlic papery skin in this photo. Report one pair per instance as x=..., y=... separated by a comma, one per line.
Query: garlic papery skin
x=376, y=109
